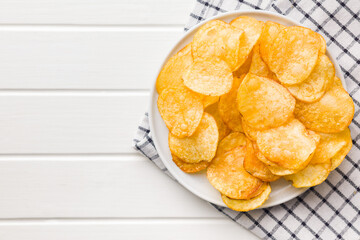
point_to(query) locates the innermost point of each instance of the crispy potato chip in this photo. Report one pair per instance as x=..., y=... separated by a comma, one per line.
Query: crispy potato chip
x=211, y=77
x=171, y=74
x=181, y=110
x=340, y=155
x=293, y=54
x=289, y=146
x=227, y=174
x=247, y=205
x=268, y=35
x=264, y=103
x=259, y=67
x=190, y=167
x=209, y=100
x=314, y=87
x=256, y=167
x=224, y=130
x=261, y=157
x=281, y=171
x=337, y=82
x=250, y=132
x=332, y=113
x=231, y=141
x=312, y=175
x=322, y=44
x=201, y=146
x=227, y=107
x=218, y=39
x=252, y=29
x=330, y=144
x=244, y=69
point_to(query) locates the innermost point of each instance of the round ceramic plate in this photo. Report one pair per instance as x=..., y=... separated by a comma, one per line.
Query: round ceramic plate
x=198, y=184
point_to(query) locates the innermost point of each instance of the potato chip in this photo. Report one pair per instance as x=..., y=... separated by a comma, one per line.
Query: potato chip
x=181, y=110
x=256, y=167
x=322, y=44
x=312, y=175
x=227, y=107
x=252, y=29
x=190, y=167
x=227, y=174
x=340, y=155
x=249, y=204
x=218, y=39
x=264, y=103
x=211, y=77
x=332, y=113
x=171, y=74
x=289, y=146
x=244, y=68
x=231, y=141
x=209, y=100
x=250, y=132
x=259, y=67
x=201, y=146
x=268, y=35
x=337, y=82
x=330, y=144
x=224, y=130
x=314, y=87
x=293, y=54
x=281, y=171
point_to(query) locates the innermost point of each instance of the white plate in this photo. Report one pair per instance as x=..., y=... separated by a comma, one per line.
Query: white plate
x=198, y=184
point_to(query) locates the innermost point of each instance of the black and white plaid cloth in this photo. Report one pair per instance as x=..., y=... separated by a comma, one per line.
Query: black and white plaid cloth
x=332, y=209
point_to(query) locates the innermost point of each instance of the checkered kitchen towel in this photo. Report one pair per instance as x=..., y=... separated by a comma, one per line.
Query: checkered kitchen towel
x=332, y=209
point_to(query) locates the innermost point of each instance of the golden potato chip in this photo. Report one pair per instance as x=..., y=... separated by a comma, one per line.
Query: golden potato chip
x=231, y=141
x=190, y=167
x=209, y=100
x=293, y=54
x=250, y=132
x=289, y=146
x=268, y=35
x=218, y=39
x=244, y=68
x=226, y=173
x=227, y=107
x=261, y=157
x=281, y=171
x=256, y=167
x=314, y=87
x=249, y=204
x=340, y=155
x=258, y=66
x=330, y=144
x=171, y=74
x=224, y=130
x=322, y=44
x=337, y=82
x=201, y=146
x=332, y=113
x=264, y=103
x=211, y=77
x=312, y=175
x=252, y=29
x=181, y=110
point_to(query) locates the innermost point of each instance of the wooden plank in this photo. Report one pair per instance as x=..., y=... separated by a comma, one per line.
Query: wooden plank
x=127, y=229
x=69, y=122
x=95, y=11
x=93, y=187
x=83, y=58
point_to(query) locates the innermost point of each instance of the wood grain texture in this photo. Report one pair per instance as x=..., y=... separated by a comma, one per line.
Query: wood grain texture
x=127, y=229
x=83, y=58
x=111, y=12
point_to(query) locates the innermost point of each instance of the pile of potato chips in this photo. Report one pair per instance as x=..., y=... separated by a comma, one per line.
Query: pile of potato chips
x=252, y=102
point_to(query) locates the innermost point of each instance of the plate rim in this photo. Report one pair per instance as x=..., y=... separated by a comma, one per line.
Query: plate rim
x=153, y=92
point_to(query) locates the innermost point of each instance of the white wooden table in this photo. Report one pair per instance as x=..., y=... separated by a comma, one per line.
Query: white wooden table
x=74, y=82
